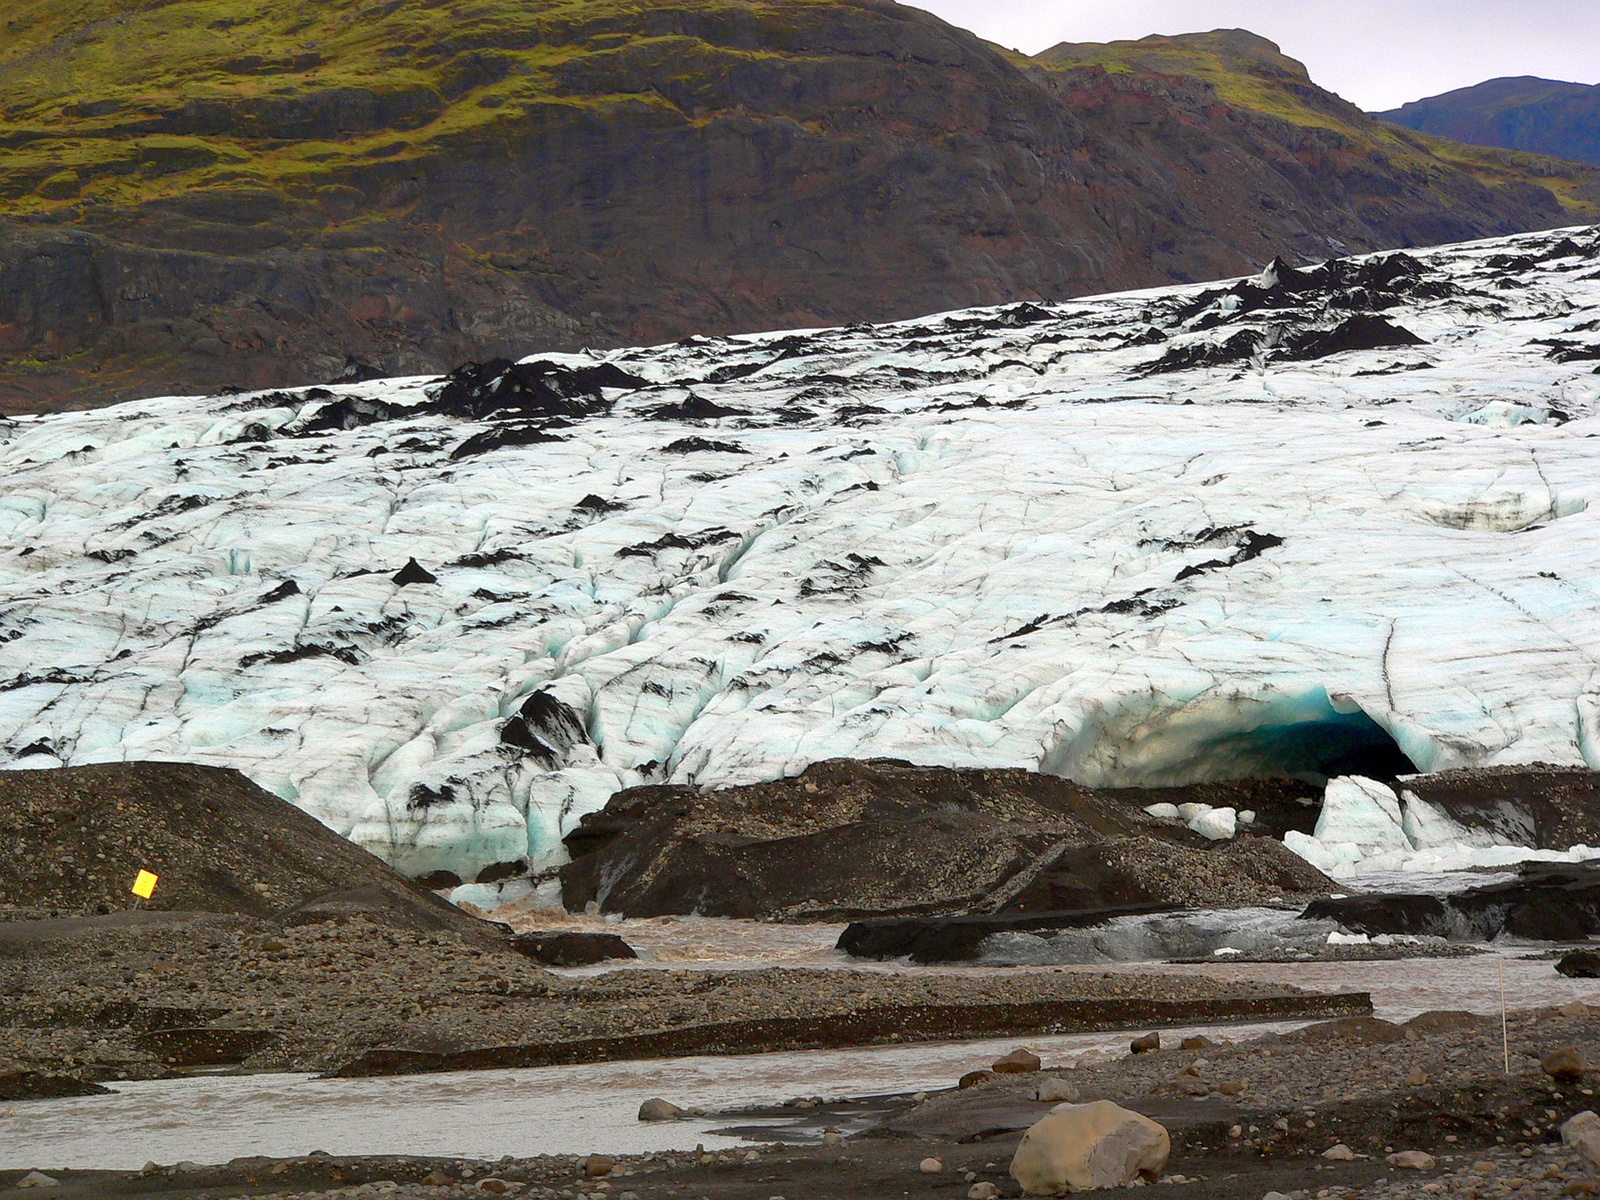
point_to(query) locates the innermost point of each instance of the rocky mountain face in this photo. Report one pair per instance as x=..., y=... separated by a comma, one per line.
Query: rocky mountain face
x=206, y=195
x=1545, y=116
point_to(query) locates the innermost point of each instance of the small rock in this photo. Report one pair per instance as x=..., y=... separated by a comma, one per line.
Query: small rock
x=1194, y=1087
x=1236, y=1131
x=1232, y=1087
x=1198, y=1042
x=659, y=1110
x=1145, y=1044
x=832, y=1137
x=35, y=1179
x=931, y=1166
x=1084, y=1146
x=495, y=1187
x=1416, y=1077
x=982, y=1191
x=1052, y=1089
x=973, y=1078
x=1411, y=1160
x=437, y=1178
x=1339, y=1152
x=598, y=1166
x=1574, y=1008
x=1565, y=1065
x=1018, y=1062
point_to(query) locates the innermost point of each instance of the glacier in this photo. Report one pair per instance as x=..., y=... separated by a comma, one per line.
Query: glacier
x=1283, y=525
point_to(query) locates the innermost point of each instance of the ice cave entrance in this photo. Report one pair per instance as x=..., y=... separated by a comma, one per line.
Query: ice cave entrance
x=1304, y=735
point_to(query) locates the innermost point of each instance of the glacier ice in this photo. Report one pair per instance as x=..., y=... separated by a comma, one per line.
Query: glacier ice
x=1094, y=538
x=1363, y=828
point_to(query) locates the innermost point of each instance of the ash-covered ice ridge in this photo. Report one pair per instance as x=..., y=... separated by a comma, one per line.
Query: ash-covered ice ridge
x=1333, y=521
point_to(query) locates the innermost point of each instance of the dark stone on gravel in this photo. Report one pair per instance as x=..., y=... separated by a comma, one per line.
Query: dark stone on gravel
x=1145, y=1045
x=1580, y=964
x=572, y=949
x=1564, y=1066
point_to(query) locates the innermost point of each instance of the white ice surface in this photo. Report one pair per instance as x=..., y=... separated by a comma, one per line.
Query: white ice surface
x=989, y=544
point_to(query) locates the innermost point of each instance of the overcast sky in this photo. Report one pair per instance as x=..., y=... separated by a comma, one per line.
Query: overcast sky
x=1376, y=53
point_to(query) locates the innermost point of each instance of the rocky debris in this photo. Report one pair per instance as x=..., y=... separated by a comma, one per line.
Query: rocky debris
x=849, y=839
x=569, y=949
x=1546, y=902
x=1579, y=964
x=659, y=1110
x=72, y=840
x=108, y=998
x=1087, y=1146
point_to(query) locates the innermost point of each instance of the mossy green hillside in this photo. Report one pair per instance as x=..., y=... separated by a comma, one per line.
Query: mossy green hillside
x=122, y=101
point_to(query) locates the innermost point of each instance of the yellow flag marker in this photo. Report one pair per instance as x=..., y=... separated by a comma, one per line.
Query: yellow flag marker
x=145, y=885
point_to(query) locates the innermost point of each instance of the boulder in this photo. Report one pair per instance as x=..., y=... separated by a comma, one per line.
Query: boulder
x=1565, y=1065
x=1579, y=1125
x=1052, y=1089
x=564, y=949
x=1080, y=1147
x=1579, y=964
x=1412, y=1160
x=1145, y=1044
x=659, y=1110
x=973, y=1078
x=1339, y=1152
x=931, y=1166
x=35, y=1179
x=1018, y=1062
x=598, y=1166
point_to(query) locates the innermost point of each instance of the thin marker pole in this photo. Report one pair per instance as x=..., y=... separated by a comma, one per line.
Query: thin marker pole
x=1505, y=1036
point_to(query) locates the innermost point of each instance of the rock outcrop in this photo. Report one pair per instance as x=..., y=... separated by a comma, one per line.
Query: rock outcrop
x=848, y=839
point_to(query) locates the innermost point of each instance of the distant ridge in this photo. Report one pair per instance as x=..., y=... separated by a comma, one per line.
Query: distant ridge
x=209, y=194
x=1544, y=116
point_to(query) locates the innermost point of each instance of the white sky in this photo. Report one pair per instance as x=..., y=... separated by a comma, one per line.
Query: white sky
x=1376, y=53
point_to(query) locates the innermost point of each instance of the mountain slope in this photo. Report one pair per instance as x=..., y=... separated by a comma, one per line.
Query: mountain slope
x=1334, y=521
x=199, y=193
x=1545, y=116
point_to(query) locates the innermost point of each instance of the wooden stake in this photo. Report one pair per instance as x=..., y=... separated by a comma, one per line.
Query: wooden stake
x=1505, y=1035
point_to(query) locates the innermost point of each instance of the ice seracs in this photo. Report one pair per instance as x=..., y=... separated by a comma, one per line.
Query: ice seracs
x=1364, y=826
x=1263, y=527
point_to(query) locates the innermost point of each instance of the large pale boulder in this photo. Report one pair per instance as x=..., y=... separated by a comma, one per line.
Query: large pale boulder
x=1080, y=1147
